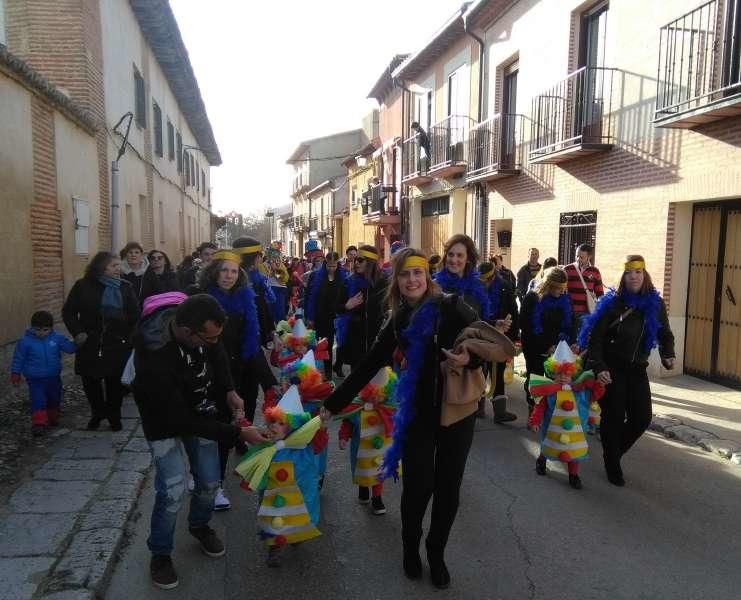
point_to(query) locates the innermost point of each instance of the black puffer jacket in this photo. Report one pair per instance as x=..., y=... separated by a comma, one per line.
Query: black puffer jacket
x=616, y=344
x=537, y=345
x=365, y=319
x=455, y=315
x=108, y=343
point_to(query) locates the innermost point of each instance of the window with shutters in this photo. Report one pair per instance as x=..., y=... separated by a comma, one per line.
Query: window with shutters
x=81, y=214
x=170, y=141
x=140, y=100
x=195, y=173
x=203, y=183
x=180, y=153
x=157, y=117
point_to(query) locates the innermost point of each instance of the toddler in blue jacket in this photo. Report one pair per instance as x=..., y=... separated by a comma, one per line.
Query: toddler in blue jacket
x=38, y=357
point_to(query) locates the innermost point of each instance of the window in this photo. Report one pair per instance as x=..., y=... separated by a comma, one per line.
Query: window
x=81, y=213
x=436, y=206
x=574, y=229
x=140, y=100
x=198, y=180
x=354, y=201
x=157, y=117
x=162, y=222
x=180, y=153
x=170, y=141
x=203, y=183
x=192, y=170
x=2, y=22
x=187, y=169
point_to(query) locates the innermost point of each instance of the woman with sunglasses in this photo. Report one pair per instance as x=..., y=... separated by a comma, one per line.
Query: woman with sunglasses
x=360, y=308
x=159, y=276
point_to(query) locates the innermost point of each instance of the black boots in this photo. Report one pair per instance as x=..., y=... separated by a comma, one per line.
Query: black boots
x=540, y=465
x=412, y=562
x=438, y=571
x=500, y=410
x=575, y=482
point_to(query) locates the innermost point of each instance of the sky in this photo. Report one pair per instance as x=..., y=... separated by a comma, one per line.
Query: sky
x=275, y=73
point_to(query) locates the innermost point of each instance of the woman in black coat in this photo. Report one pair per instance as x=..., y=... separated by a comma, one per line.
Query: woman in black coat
x=159, y=276
x=100, y=312
x=619, y=337
x=423, y=323
x=545, y=319
x=361, y=307
x=134, y=266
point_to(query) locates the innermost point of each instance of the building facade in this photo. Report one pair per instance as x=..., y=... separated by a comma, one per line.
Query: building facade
x=69, y=71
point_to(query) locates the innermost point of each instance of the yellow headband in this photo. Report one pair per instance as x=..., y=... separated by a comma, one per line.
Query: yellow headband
x=227, y=255
x=249, y=249
x=368, y=254
x=415, y=261
x=487, y=276
x=634, y=264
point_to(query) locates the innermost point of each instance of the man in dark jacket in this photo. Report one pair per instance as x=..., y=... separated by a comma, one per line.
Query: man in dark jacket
x=180, y=369
x=527, y=272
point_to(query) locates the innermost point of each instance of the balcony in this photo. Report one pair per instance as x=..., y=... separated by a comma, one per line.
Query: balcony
x=447, y=144
x=299, y=184
x=495, y=148
x=299, y=223
x=699, y=78
x=376, y=210
x=574, y=117
x=414, y=164
x=314, y=224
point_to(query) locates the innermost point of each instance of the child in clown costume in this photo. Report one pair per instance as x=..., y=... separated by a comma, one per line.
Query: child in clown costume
x=563, y=410
x=368, y=426
x=297, y=341
x=284, y=473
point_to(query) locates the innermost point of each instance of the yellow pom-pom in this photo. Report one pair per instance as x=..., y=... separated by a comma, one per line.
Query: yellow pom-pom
x=278, y=523
x=377, y=461
x=594, y=407
x=564, y=438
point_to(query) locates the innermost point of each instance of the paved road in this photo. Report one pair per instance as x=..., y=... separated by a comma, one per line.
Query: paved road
x=673, y=532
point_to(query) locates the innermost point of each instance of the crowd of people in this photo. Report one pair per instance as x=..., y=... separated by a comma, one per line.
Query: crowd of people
x=196, y=345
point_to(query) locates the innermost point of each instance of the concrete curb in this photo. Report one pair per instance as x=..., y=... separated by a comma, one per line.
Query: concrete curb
x=66, y=524
x=673, y=428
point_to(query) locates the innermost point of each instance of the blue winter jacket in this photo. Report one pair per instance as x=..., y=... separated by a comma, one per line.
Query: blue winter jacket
x=37, y=357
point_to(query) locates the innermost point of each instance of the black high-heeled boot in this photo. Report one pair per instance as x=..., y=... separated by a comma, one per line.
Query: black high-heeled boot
x=438, y=570
x=412, y=561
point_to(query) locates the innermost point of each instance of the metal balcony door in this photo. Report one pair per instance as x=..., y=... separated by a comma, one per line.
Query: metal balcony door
x=509, y=108
x=713, y=336
x=589, y=89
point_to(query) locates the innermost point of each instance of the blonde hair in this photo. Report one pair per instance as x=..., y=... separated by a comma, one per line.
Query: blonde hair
x=552, y=278
x=393, y=294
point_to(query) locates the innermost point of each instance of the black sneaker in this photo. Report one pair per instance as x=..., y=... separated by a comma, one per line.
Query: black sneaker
x=363, y=495
x=379, y=508
x=575, y=482
x=38, y=430
x=540, y=465
x=163, y=572
x=210, y=543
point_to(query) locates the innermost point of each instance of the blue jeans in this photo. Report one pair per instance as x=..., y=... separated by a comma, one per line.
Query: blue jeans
x=46, y=396
x=173, y=459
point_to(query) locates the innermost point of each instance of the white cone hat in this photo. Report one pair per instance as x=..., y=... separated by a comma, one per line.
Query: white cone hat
x=299, y=329
x=309, y=359
x=563, y=353
x=381, y=378
x=290, y=403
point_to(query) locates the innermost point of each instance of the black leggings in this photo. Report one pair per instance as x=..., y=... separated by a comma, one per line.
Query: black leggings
x=534, y=365
x=104, y=404
x=433, y=465
x=499, y=382
x=253, y=373
x=626, y=412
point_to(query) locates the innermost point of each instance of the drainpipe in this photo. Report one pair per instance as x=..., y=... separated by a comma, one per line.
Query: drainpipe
x=466, y=28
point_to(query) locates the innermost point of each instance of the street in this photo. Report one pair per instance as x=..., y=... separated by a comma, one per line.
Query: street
x=672, y=532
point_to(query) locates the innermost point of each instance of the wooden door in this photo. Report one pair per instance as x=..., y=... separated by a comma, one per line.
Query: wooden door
x=700, y=300
x=728, y=365
x=435, y=232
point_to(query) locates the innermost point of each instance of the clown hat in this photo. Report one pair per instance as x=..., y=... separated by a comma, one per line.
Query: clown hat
x=309, y=359
x=299, y=329
x=290, y=403
x=381, y=378
x=563, y=354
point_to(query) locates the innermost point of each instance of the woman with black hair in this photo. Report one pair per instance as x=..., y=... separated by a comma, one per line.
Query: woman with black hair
x=619, y=336
x=159, y=277
x=134, y=265
x=322, y=292
x=459, y=275
x=100, y=312
x=360, y=308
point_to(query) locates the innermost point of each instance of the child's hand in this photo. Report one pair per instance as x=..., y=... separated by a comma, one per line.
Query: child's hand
x=325, y=415
x=343, y=444
x=15, y=378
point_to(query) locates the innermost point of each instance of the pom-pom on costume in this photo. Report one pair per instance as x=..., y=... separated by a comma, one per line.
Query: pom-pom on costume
x=368, y=424
x=284, y=473
x=297, y=341
x=563, y=409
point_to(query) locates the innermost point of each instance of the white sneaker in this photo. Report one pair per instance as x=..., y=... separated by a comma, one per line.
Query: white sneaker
x=221, y=502
x=191, y=484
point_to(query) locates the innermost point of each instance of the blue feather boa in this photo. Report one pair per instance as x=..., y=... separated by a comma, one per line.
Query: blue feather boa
x=241, y=301
x=470, y=285
x=647, y=304
x=548, y=302
x=495, y=296
x=355, y=283
x=261, y=286
x=417, y=336
x=312, y=294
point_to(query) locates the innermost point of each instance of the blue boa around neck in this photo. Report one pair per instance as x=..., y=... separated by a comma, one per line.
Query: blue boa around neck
x=241, y=301
x=355, y=283
x=548, y=302
x=417, y=335
x=470, y=285
x=647, y=304
x=312, y=294
x=261, y=286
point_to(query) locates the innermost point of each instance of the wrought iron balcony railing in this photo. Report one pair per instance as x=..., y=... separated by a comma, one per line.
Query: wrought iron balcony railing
x=447, y=142
x=495, y=147
x=574, y=116
x=699, y=75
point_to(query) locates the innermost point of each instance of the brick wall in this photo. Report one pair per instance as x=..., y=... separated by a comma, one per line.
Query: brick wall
x=46, y=223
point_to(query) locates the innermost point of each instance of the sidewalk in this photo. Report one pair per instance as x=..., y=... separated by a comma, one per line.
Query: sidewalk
x=62, y=527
